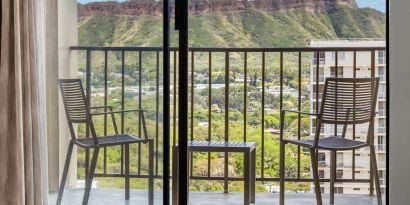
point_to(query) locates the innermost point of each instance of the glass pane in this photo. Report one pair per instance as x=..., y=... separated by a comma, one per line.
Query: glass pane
x=120, y=61
x=246, y=65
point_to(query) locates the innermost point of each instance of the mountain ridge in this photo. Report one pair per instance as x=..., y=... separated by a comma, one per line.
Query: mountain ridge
x=199, y=7
x=254, y=24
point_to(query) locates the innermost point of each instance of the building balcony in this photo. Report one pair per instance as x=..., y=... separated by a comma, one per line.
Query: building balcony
x=131, y=78
x=381, y=147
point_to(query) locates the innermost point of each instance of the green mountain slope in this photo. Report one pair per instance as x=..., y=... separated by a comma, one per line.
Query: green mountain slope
x=248, y=28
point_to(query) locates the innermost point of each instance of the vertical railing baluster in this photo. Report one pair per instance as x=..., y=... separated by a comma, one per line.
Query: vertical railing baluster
x=336, y=101
x=372, y=74
x=139, y=106
x=354, y=115
x=192, y=108
x=280, y=89
x=122, y=105
x=105, y=105
x=333, y=156
x=263, y=112
x=245, y=96
x=209, y=108
x=299, y=106
x=226, y=160
x=157, y=114
x=88, y=96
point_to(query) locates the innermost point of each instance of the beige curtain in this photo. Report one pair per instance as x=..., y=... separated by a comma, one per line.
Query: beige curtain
x=23, y=177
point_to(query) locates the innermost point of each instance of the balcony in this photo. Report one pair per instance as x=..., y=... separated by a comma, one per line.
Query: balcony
x=258, y=87
x=381, y=147
x=382, y=113
x=382, y=95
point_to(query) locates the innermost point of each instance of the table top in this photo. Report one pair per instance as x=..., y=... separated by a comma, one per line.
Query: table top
x=220, y=146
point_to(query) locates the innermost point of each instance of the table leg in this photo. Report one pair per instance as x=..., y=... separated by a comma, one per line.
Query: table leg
x=151, y=173
x=175, y=176
x=189, y=172
x=253, y=175
x=247, y=177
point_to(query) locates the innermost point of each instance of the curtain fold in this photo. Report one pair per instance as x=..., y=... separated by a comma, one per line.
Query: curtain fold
x=23, y=159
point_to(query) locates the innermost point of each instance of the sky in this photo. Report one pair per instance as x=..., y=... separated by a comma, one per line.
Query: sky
x=376, y=4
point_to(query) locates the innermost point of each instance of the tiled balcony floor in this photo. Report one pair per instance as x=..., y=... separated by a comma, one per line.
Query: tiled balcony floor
x=139, y=197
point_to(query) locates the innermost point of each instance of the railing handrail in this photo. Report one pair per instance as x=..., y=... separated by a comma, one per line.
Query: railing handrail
x=349, y=40
x=250, y=49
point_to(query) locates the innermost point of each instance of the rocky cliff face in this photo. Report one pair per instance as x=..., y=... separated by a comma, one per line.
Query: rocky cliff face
x=198, y=7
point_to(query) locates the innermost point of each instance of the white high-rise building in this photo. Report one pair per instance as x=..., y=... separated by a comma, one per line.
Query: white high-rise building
x=361, y=157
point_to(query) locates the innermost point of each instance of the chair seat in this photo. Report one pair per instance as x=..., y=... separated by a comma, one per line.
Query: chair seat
x=331, y=143
x=111, y=140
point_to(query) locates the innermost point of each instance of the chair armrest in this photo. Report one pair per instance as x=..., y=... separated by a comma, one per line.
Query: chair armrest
x=299, y=112
x=100, y=107
x=111, y=112
x=114, y=112
x=282, y=120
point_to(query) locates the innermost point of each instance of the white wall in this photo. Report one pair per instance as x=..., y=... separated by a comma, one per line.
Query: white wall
x=61, y=33
x=400, y=102
x=67, y=68
x=52, y=90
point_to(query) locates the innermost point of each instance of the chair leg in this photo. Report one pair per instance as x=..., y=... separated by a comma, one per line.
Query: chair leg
x=151, y=173
x=127, y=171
x=282, y=174
x=65, y=172
x=371, y=177
x=376, y=175
x=90, y=176
x=315, y=171
x=332, y=176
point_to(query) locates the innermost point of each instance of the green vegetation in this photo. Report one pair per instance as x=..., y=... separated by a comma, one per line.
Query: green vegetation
x=248, y=28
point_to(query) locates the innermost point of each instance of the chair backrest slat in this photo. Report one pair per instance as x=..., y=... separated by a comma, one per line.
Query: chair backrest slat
x=75, y=105
x=349, y=100
x=74, y=100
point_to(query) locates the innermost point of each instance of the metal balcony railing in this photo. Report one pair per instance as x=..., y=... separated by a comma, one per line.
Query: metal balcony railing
x=381, y=130
x=381, y=147
x=382, y=95
x=382, y=112
x=381, y=60
x=234, y=72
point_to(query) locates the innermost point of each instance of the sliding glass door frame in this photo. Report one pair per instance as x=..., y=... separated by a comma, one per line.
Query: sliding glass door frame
x=181, y=24
x=166, y=101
